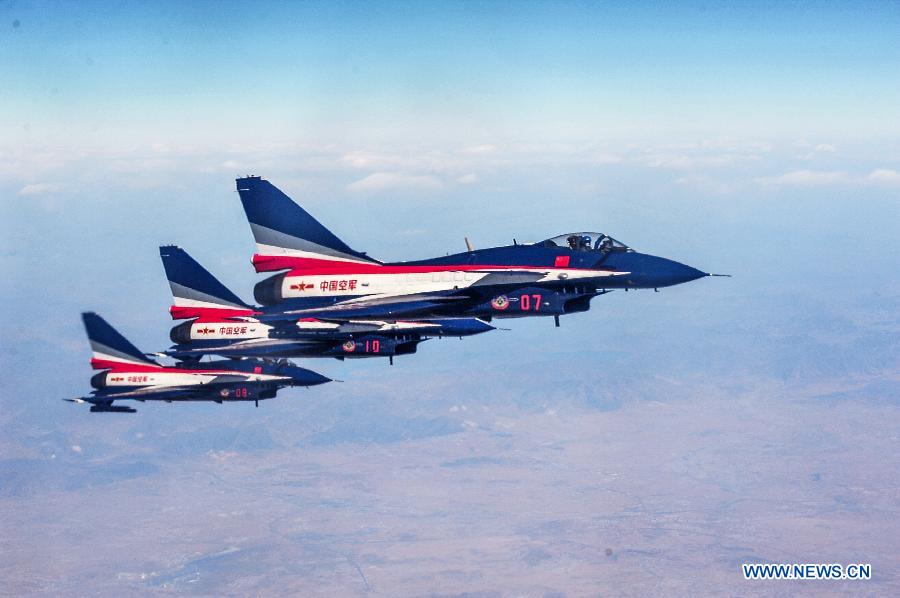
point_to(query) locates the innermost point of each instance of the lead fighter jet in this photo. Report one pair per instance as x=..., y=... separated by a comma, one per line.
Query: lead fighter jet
x=129, y=374
x=322, y=277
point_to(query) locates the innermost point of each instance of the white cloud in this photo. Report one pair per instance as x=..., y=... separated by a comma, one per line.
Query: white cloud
x=806, y=178
x=822, y=148
x=811, y=178
x=379, y=181
x=669, y=161
x=162, y=148
x=76, y=448
x=693, y=161
x=360, y=159
x=468, y=179
x=39, y=189
x=430, y=161
x=484, y=148
x=707, y=184
x=605, y=159
x=884, y=176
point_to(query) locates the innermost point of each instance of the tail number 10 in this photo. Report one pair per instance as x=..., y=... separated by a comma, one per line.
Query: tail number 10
x=373, y=346
x=530, y=303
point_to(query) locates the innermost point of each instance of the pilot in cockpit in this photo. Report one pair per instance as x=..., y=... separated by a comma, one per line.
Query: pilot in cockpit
x=586, y=242
x=579, y=242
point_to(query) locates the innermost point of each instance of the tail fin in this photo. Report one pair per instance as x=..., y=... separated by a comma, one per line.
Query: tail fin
x=195, y=292
x=110, y=349
x=286, y=235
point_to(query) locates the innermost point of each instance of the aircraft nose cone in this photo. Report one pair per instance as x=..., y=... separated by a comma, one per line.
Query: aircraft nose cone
x=648, y=271
x=478, y=326
x=304, y=377
x=671, y=272
x=687, y=273
x=463, y=326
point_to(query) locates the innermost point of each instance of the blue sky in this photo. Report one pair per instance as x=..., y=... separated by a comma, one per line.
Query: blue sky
x=425, y=96
x=758, y=139
x=444, y=73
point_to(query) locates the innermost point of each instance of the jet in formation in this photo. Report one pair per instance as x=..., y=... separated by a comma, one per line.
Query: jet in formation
x=220, y=323
x=320, y=276
x=128, y=374
x=328, y=300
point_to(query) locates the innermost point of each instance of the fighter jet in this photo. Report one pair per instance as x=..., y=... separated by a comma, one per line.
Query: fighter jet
x=321, y=276
x=220, y=323
x=128, y=374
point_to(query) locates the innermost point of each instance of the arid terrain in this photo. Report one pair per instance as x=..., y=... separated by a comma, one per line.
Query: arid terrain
x=652, y=497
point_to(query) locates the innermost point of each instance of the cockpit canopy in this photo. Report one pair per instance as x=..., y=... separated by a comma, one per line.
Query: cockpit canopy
x=585, y=242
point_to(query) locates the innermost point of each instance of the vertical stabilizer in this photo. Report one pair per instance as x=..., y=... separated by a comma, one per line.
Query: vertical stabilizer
x=286, y=235
x=111, y=350
x=196, y=292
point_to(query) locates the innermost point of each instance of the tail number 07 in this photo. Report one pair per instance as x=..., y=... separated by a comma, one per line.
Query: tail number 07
x=530, y=302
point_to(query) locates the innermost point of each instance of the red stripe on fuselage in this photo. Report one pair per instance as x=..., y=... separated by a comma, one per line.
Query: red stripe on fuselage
x=121, y=366
x=208, y=314
x=129, y=368
x=273, y=263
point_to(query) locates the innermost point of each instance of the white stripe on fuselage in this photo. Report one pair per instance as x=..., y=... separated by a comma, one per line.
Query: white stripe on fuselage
x=249, y=329
x=164, y=378
x=411, y=283
x=240, y=328
x=119, y=359
x=376, y=325
x=185, y=302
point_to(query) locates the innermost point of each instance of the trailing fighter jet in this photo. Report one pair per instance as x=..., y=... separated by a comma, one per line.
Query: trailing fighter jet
x=221, y=323
x=129, y=374
x=323, y=277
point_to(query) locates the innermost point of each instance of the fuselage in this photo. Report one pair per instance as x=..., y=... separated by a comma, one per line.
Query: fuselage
x=319, y=275
x=246, y=336
x=131, y=377
x=126, y=373
x=125, y=377
x=322, y=282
